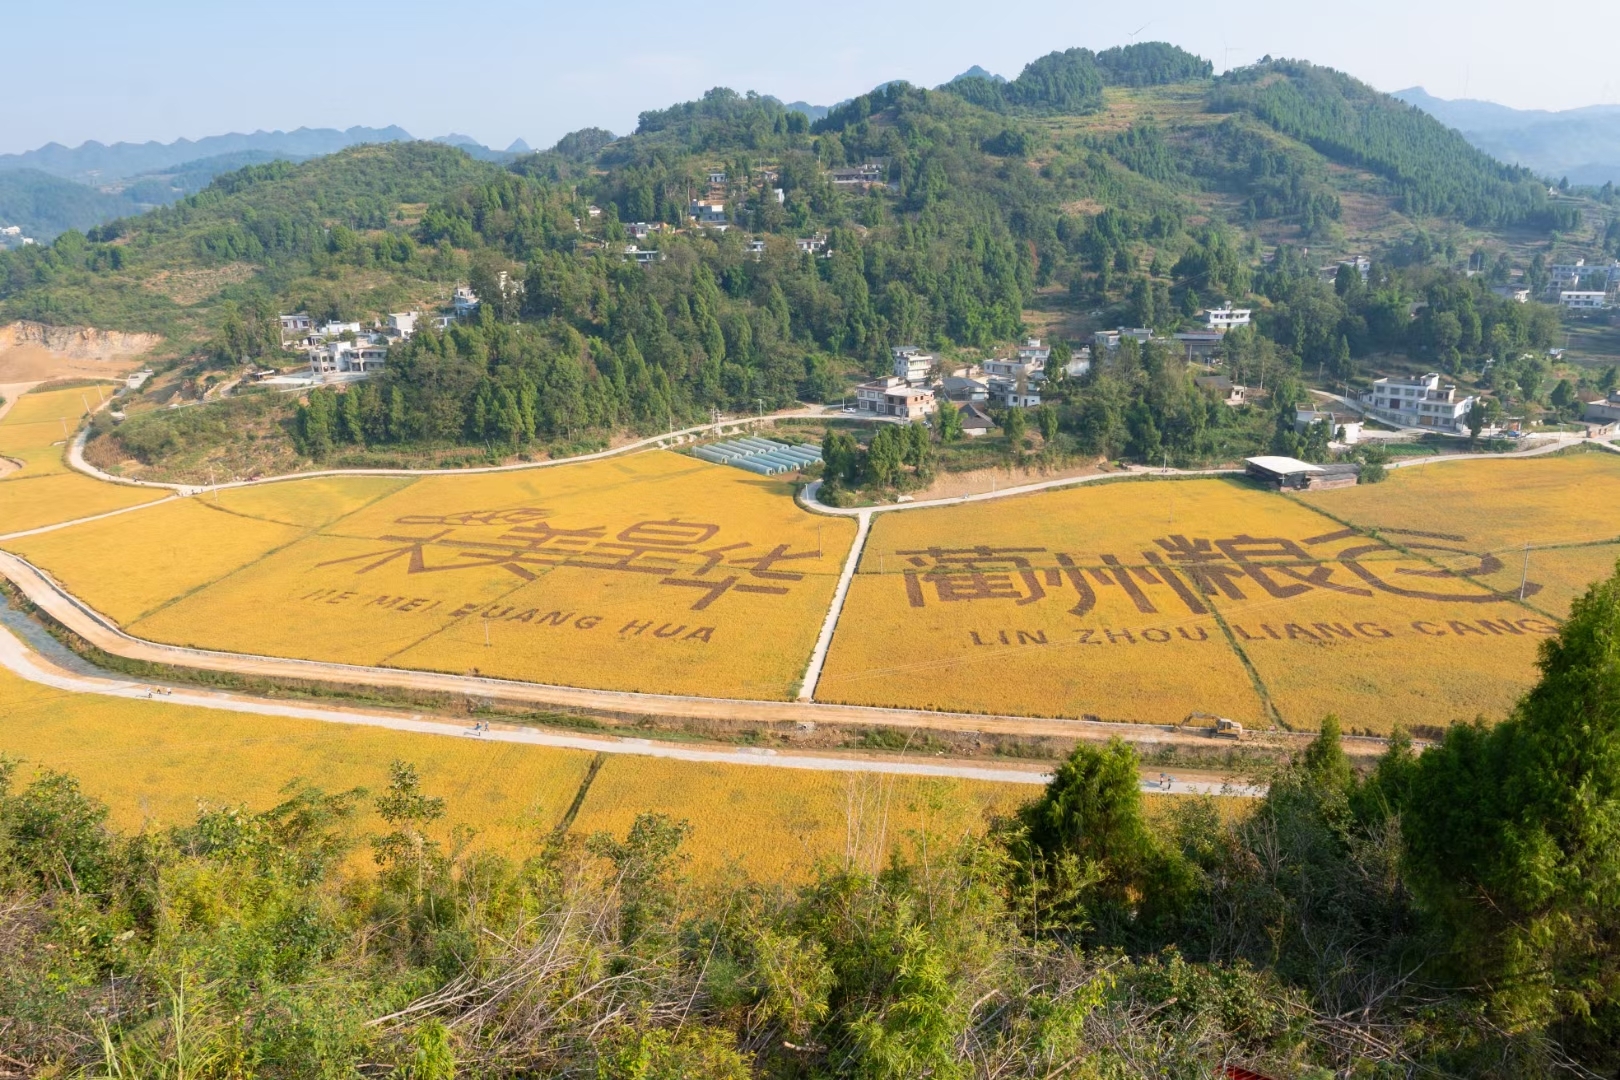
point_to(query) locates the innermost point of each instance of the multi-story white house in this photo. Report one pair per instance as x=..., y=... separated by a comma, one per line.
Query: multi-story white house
x=1419, y=401
x=402, y=324
x=1013, y=393
x=347, y=357
x=1227, y=317
x=892, y=397
x=298, y=323
x=465, y=301
x=912, y=365
x=1033, y=353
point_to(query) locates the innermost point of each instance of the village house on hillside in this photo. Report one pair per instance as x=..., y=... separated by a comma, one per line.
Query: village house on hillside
x=1420, y=401
x=893, y=397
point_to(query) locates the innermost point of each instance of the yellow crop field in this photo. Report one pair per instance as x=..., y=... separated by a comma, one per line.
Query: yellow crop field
x=810, y=816
x=652, y=572
x=31, y=502
x=1494, y=505
x=307, y=504
x=129, y=565
x=154, y=761
x=1153, y=601
x=45, y=491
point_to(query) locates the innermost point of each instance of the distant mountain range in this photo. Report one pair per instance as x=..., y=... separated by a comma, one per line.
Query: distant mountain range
x=1580, y=144
x=55, y=188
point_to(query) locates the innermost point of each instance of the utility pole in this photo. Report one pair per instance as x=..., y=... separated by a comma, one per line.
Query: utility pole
x=1525, y=579
x=486, y=631
x=64, y=427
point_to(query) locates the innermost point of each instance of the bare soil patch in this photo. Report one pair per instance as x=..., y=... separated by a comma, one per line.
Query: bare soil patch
x=951, y=485
x=32, y=352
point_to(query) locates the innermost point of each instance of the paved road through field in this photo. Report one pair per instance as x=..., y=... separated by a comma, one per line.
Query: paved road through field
x=17, y=657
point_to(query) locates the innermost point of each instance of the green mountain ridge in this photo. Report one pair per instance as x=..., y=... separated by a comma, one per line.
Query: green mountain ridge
x=1092, y=190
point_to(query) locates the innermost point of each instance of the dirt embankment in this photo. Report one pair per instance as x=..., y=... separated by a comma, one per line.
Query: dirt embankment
x=32, y=352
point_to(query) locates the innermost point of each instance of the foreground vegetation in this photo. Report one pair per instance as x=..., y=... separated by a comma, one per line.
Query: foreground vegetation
x=1353, y=925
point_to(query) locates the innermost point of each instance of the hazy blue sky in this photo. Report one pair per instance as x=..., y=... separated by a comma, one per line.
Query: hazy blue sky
x=499, y=69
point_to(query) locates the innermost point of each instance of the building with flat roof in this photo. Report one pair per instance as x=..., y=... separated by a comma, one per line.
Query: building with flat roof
x=1227, y=317
x=1583, y=300
x=1419, y=401
x=1291, y=474
x=893, y=397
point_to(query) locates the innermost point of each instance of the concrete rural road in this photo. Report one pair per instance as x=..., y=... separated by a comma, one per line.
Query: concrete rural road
x=95, y=628
x=18, y=658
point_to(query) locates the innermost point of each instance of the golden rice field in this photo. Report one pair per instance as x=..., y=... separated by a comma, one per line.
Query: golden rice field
x=1154, y=601
x=153, y=762
x=651, y=572
x=45, y=491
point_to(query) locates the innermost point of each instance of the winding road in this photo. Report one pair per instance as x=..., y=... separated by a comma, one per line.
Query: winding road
x=101, y=632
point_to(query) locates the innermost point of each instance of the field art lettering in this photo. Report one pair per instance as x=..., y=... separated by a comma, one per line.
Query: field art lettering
x=634, y=627
x=678, y=553
x=1504, y=627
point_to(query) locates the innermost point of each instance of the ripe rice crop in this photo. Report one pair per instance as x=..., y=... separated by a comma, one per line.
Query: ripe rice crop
x=130, y=565
x=652, y=572
x=30, y=502
x=45, y=491
x=154, y=761
x=1152, y=601
x=1497, y=505
x=809, y=816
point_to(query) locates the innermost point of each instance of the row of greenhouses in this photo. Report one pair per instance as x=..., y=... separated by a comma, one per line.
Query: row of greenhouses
x=764, y=456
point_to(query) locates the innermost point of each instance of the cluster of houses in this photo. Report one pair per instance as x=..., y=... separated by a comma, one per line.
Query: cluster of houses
x=353, y=350
x=708, y=211
x=1580, y=286
x=920, y=385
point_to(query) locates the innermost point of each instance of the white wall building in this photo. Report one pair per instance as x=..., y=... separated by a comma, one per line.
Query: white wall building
x=1583, y=300
x=1227, y=317
x=912, y=365
x=892, y=397
x=465, y=301
x=1419, y=401
x=402, y=324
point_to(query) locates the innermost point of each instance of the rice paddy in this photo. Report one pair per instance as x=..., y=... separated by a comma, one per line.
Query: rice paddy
x=1384, y=604
x=154, y=762
x=652, y=572
x=44, y=491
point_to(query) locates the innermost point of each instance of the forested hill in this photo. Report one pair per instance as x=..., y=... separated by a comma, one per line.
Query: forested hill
x=1123, y=186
